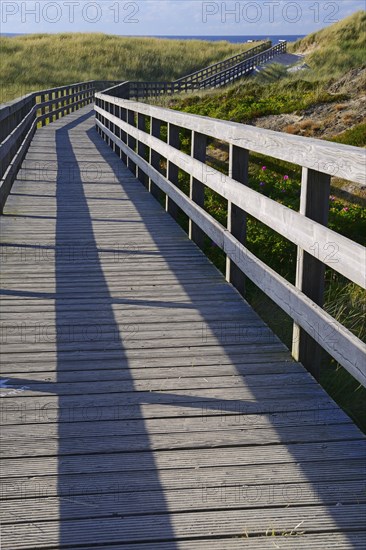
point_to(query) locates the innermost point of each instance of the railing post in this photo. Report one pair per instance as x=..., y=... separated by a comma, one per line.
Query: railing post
x=43, y=109
x=51, y=107
x=61, y=103
x=310, y=272
x=64, y=103
x=123, y=116
x=73, y=91
x=172, y=169
x=113, y=128
x=155, y=130
x=68, y=108
x=57, y=95
x=142, y=149
x=197, y=188
x=236, y=217
x=131, y=142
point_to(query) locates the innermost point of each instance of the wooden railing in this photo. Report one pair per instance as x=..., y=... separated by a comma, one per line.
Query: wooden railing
x=20, y=118
x=201, y=79
x=202, y=74
x=243, y=68
x=123, y=125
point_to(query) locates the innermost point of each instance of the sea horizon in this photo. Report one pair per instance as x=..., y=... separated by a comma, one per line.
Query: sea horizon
x=234, y=39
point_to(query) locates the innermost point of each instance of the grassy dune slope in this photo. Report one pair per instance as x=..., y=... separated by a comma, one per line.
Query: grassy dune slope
x=42, y=60
x=330, y=53
x=336, y=49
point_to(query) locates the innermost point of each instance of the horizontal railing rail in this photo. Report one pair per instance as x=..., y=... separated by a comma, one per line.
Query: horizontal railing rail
x=122, y=123
x=143, y=90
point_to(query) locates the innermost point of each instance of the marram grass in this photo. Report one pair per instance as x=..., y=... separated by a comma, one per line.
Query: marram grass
x=42, y=61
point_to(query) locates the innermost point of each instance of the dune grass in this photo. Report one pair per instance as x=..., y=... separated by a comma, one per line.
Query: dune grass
x=330, y=53
x=334, y=50
x=354, y=136
x=41, y=61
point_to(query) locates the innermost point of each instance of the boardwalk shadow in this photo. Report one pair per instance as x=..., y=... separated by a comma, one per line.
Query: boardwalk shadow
x=82, y=298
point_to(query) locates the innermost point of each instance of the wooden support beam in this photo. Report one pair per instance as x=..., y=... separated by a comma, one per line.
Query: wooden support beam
x=172, y=169
x=58, y=105
x=123, y=116
x=197, y=188
x=131, y=141
x=310, y=273
x=236, y=217
x=43, y=109
x=142, y=150
x=155, y=130
x=114, y=129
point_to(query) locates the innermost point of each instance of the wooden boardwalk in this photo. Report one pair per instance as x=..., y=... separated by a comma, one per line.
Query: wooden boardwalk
x=145, y=405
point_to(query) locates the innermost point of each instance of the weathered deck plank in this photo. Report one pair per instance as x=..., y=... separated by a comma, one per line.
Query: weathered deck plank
x=146, y=405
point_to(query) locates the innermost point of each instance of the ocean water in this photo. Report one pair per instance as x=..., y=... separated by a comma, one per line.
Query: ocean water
x=233, y=39
x=239, y=38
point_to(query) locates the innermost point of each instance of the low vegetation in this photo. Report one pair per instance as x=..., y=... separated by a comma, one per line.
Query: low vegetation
x=334, y=50
x=41, y=61
x=355, y=136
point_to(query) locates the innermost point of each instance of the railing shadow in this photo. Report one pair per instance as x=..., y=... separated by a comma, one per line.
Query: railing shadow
x=87, y=283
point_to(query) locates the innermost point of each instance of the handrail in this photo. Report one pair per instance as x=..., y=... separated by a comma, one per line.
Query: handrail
x=314, y=328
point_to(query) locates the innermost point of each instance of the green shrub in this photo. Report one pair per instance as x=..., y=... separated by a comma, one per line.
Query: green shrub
x=354, y=136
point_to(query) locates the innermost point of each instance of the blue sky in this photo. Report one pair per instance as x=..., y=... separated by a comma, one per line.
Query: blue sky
x=174, y=17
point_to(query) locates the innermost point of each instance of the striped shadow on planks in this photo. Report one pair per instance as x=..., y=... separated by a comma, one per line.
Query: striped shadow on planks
x=195, y=429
